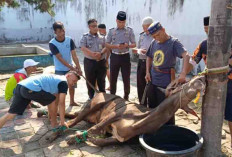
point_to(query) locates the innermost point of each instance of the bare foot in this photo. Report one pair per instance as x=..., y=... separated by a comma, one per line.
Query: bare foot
x=74, y=104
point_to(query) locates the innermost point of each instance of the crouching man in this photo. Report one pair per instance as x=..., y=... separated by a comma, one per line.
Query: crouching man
x=43, y=89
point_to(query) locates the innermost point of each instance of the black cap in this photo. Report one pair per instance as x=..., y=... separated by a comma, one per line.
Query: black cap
x=206, y=21
x=103, y=26
x=121, y=16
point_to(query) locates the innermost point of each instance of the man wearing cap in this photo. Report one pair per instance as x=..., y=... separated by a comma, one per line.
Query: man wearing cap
x=161, y=58
x=92, y=44
x=63, y=50
x=29, y=66
x=43, y=89
x=143, y=44
x=119, y=40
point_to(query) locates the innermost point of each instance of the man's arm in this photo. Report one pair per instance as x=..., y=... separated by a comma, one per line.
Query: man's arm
x=148, y=69
x=76, y=60
x=186, y=67
x=59, y=57
x=62, y=107
x=111, y=46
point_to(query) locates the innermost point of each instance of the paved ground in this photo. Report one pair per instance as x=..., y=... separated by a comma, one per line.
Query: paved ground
x=24, y=135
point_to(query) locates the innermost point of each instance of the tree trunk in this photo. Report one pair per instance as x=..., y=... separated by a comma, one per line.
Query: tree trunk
x=219, y=41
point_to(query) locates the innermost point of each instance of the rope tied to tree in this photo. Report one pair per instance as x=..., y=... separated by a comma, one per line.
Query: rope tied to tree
x=219, y=70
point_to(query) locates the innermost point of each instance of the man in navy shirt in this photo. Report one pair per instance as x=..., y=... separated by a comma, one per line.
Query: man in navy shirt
x=63, y=49
x=161, y=59
x=43, y=89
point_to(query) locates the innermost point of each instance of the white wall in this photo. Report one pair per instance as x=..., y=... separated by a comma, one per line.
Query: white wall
x=24, y=24
x=186, y=23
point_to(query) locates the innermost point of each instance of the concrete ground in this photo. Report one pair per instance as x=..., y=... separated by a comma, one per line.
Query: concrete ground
x=24, y=135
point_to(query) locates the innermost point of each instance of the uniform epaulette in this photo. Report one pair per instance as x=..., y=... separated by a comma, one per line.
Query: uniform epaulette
x=111, y=28
x=85, y=34
x=129, y=27
x=141, y=33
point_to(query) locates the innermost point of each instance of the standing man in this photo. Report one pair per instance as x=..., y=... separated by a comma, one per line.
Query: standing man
x=93, y=46
x=161, y=58
x=201, y=53
x=102, y=31
x=43, y=89
x=120, y=39
x=63, y=49
x=144, y=42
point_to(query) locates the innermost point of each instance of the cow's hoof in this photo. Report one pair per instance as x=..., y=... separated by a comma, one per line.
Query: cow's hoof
x=97, y=141
x=70, y=139
x=52, y=137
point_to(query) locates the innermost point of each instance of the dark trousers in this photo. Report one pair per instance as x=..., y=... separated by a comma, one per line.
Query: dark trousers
x=141, y=82
x=155, y=96
x=118, y=62
x=95, y=71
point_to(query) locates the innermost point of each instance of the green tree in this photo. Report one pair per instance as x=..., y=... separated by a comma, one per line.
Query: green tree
x=41, y=5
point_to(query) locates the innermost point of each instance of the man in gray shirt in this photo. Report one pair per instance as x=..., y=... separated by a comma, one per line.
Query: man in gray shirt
x=143, y=44
x=92, y=45
x=120, y=39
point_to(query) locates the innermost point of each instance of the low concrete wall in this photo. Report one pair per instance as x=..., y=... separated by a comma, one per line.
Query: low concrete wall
x=13, y=57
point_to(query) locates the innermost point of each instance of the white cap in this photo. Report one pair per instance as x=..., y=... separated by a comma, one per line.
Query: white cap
x=147, y=20
x=29, y=63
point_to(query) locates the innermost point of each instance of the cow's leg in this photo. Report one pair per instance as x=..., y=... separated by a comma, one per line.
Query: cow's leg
x=103, y=141
x=96, y=129
x=97, y=141
x=86, y=110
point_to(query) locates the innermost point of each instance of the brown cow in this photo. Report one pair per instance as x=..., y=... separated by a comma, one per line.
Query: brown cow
x=125, y=120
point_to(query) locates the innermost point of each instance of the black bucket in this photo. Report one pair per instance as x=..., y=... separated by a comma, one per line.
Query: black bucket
x=171, y=141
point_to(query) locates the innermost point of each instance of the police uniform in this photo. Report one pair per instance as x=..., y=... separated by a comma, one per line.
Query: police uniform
x=95, y=70
x=143, y=43
x=120, y=58
x=163, y=60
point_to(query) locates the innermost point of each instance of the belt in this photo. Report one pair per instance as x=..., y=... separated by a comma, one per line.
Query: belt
x=94, y=59
x=162, y=71
x=142, y=60
x=120, y=53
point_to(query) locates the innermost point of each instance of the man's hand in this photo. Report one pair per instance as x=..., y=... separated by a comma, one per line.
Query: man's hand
x=148, y=77
x=78, y=70
x=97, y=55
x=143, y=51
x=135, y=51
x=181, y=78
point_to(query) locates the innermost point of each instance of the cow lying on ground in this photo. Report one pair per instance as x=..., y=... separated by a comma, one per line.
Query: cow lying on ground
x=124, y=120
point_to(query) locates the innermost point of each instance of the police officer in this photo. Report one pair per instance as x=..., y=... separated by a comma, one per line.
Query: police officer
x=93, y=46
x=102, y=29
x=143, y=44
x=120, y=39
x=161, y=58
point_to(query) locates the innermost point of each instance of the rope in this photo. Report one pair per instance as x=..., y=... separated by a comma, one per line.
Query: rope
x=78, y=140
x=218, y=70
